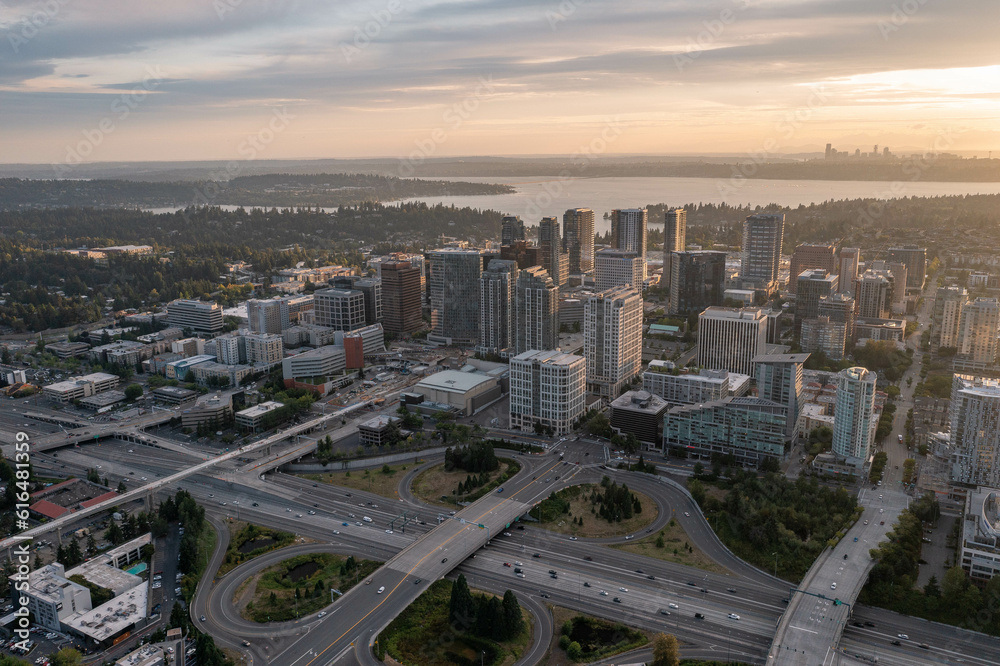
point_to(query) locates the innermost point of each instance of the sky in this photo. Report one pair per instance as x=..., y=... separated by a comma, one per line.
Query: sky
x=120, y=80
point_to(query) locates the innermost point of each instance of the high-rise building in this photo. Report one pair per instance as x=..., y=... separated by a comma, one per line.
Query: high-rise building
x=264, y=316
x=948, y=306
x=548, y=388
x=854, y=418
x=779, y=380
x=578, y=239
x=915, y=259
x=263, y=349
x=839, y=308
x=496, y=307
x=895, y=272
x=454, y=295
x=813, y=285
x=415, y=260
x=686, y=388
x=809, y=257
x=554, y=259
x=820, y=334
x=511, y=229
x=628, y=232
x=617, y=268
x=339, y=309
x=401, y=297
x=198, y=316
x=372, y=289
x=874, y=295
x=674, y=240
x=612, y=342
x=850, y=257
x=730, y=338
x=697, y=279
x=977, y=333
x=762, y=237
x=536, y=311
x=975, y=430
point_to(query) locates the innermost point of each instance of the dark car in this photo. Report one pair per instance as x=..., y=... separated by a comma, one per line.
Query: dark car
x=925, y=646
x=586, y=584
x=588, y=558
x=869, y=624
x=699, y=616
x=664, y=611
x=536, y=555
x=444, y=560
x=255, y=504
x=651, y=577
x=731, y=590
x=617, y=600
x=418, y=581
x=692, y=584
x=552, y=571
x=544, y=596
x=857, y=624
x=896, y=642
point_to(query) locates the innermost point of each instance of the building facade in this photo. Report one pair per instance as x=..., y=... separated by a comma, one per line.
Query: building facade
x=975, y=430
x=401, y=313
x=813, y=284
x=874, y=295
x=496, y=307
x=685, y=388
x=977, y=333
x=628, y=232
x=674, y=240
x=339, y=309
x=696, y=281
x=855, y=419
x=730, y=338
x=617, y=268
x=198, y=316
x=779, y=380
x=578, y=239
x=550, y=246
x=948, y=304
x=915, y=259
x=810, y=257
x=549, y=388
x=850, y=258
x=454, y=295
x=536, y=311
x=612, y=342
x=762, y=238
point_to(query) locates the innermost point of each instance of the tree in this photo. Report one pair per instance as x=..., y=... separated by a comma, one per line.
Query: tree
x=66, y=657
x=5, y=357
x=461, y=611
x=133, y=392
x=665, y=650
x=121, y=487
x=513, y=621
x=114, y=533
x=91, y=544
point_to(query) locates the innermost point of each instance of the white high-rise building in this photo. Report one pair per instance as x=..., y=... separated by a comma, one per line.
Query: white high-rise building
x=264, y=349
x=617, y=268
x=975, y=430
x=874, y=295
x=730, y=338
x=547, y=387
x=199, y=316
x=948, y=307
x=612, y=342
x=977, y=332
x=496, y=307
x=854, y=419
x=762, y=237
x=850, y=257
x=264, y=316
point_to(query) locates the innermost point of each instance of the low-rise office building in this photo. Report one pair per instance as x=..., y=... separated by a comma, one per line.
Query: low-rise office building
x=77, y=388
x=468, y=392
x=981, y=534
x=375, y=432
x=211, y=410
x=639, y=413
x=254, y=419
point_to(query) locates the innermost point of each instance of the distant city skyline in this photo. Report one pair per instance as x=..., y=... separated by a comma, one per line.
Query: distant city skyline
x=238, y=80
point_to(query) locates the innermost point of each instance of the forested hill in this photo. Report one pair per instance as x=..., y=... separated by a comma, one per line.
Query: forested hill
x=272, y=190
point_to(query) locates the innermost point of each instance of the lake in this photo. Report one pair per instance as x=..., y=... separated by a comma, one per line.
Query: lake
x=539, y=197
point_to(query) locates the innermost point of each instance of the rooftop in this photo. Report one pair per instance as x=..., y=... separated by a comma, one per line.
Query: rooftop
x=781, y=358
x=113, y=617
x=640, y=401
x=553, y=357
x=454, y=380
x=260, y=410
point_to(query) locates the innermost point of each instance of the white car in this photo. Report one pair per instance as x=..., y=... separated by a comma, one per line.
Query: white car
x=388, y=531
x=734, y=616
x=866, y=522
x=687, y=515
x=630, y=537
x=381, y=590
x=673, y=605
x=622, y=589
x=321, y=614
x=903, y=636
x=604, y=593
x=336, y=531
x=833, y=586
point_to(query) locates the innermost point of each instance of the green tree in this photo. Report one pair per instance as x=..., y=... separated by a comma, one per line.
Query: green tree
x=666, y=651
x=133, y=392
x=121, y=487
x=513, y=621
x=66, y=657
x=461, y=611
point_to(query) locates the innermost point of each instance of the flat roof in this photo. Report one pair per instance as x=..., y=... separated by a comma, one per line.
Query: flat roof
x=112, y=618
x=781, y=358
x=176, y=391
x=552, y=357
x=454, y=381
x=260, y=410
x=103, y=399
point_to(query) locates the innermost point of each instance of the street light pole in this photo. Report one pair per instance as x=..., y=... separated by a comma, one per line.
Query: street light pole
x=775, y=564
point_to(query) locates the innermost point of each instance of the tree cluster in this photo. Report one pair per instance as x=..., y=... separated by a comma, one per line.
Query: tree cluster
x=474, y=458
x=485, y=616
x=615, y=503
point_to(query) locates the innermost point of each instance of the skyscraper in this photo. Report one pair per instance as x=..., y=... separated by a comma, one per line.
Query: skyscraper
x=874, y=297
x=975, y=435
x=977, y=333
x=915, y=259
x=617, y=268
x=762, y=237
x=812, y=285
x=550, y=246
x=496, y=306
x=578, y=239
x=779, y=379
x=730, y=338
x=454, y=286
x=808, y=257
x=850, y=257
x=674, y=240
x=264, y=316
x=612, y=342
x=340, y=309
x=401, y=297
x=536, y=304
x=511, y=229
x=839, y=308
x=549, y=388
x=948, y=306
x=628, y=232
x=854, y=419
x=697, y=279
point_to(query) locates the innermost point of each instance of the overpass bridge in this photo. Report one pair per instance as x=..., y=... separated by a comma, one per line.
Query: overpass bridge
x=146, y=492
x=810, y=630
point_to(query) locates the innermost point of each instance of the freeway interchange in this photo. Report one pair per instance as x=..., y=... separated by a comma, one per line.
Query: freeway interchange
x=274, y=499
